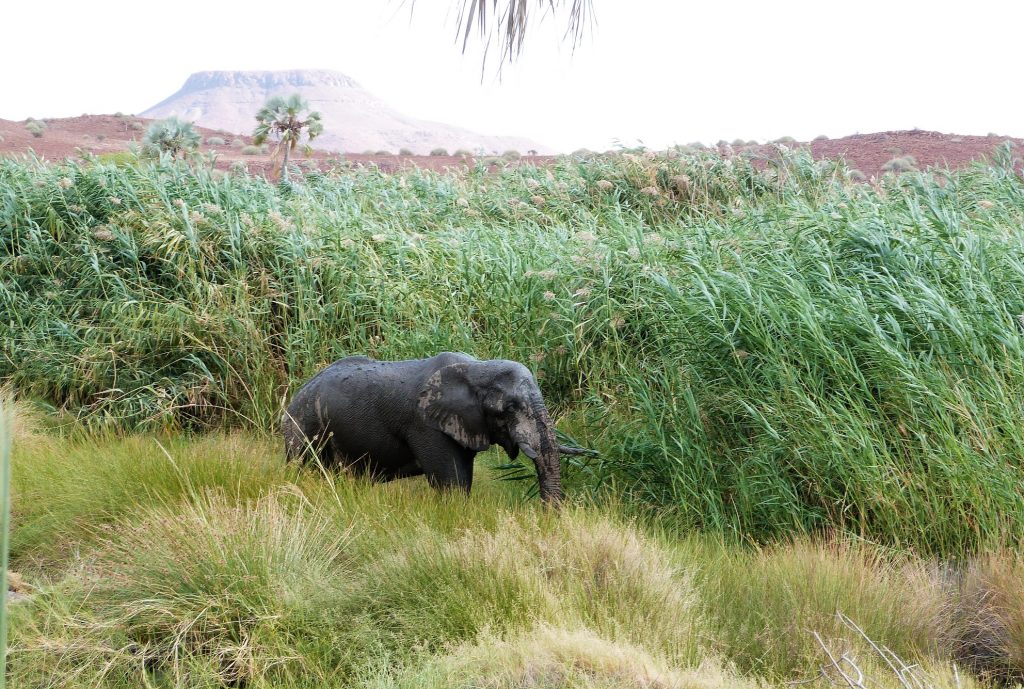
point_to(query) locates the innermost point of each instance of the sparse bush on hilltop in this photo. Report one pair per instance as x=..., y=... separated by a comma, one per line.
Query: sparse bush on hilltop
x=35, y=127
x=135, y=126
x=238, y=142
x=251, y=150
x=405, y=152
x=215, y=141
x=382, y=152
x=900, y=164
x=511, y=154
x=439, y=151
x=463, y=153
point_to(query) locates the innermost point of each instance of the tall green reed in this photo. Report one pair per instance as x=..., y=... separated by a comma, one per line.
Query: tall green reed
x=757, y=348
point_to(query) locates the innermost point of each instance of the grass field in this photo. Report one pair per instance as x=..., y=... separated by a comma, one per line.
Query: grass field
x=169, y=561
x=805, y=393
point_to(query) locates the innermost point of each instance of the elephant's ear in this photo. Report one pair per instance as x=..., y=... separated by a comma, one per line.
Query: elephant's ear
x=449, y=402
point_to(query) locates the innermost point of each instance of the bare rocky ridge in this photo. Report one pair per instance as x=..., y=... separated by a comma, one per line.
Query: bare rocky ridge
x=354, y=119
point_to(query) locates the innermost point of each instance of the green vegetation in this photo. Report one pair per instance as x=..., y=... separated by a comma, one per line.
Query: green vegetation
x=171, y=136
x=5, y=516
x=802, y=389
x=166, y=561
x=251, y=150
x=439, y=151
x=285, y=120
x=405, y=152
x=755, y=353
x=215, y=141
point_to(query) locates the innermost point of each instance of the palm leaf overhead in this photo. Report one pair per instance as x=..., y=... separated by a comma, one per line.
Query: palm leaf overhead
x=503, y=24
x=508, y=23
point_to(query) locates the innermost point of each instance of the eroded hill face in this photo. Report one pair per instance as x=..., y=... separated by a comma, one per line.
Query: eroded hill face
x=354, y=119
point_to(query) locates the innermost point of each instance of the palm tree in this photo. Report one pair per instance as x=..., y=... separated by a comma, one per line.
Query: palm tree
x=170, y=136
x=505, y=27
x=281, y=118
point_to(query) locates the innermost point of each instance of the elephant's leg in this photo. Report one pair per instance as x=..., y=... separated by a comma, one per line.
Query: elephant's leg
x=404, y=471
x=445, y=463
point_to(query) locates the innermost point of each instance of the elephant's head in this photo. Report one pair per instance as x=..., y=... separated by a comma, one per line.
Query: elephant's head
x=480, y=403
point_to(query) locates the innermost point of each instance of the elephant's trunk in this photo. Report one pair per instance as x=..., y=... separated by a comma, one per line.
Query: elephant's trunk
x=547, y=460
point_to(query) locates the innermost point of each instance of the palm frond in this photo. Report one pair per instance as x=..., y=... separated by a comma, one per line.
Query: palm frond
x=506, y=25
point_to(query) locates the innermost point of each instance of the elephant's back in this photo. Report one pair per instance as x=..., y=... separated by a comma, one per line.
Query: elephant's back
x=358, y=389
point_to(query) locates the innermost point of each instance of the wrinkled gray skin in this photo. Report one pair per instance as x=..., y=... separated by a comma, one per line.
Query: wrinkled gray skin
x=392, y=419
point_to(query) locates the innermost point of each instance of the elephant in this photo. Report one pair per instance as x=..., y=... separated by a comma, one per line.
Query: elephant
x=393, y=419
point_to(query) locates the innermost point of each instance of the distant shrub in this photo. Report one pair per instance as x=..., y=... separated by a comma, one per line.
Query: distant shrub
x=582, y=153
x=511, y=154
x=738, y=142
x=136, y=126
x=368, y=152
x=856, y=176
x=118, y=114
x=239, y=168
x=405, y=152
x=785, y=140
x=172, y=136
x=463, y=152
x=101, y=137
x=900, y=164
x=238, y=143
x=264, y=148
x=250, y=150
x=821, y=137
x=439, y=152
x=215, y=141
x=382, y=153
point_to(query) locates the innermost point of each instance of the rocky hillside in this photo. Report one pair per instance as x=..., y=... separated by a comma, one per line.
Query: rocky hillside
x=354, y=119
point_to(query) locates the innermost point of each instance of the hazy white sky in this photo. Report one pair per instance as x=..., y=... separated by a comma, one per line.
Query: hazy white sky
x=656, y=71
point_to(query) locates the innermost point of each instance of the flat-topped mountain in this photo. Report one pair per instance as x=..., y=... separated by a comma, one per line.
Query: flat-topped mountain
x=354, y=119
